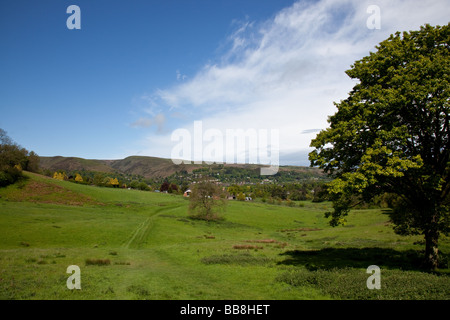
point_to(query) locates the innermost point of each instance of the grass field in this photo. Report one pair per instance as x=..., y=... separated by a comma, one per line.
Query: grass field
x=142, y=245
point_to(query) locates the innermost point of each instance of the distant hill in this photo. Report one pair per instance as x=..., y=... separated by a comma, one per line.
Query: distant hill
x=74, y=164
x=148, y=167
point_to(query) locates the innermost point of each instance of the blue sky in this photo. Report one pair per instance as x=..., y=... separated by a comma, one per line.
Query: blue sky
x=138, y=70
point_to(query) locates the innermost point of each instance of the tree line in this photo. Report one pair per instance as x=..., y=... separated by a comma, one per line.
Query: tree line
x=308, y=190
x=14, y=159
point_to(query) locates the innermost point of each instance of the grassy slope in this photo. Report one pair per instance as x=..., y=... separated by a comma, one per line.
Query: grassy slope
x=157, y=253
x=73, y=163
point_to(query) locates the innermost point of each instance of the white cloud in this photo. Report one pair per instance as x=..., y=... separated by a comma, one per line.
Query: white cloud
x=285, y=73
x=142, y=123
x=159, y=120
x=180, y=77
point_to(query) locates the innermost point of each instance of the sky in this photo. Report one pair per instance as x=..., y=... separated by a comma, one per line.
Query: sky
x=138, y=71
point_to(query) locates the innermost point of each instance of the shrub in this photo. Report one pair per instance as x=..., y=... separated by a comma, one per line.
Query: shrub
x=143, y=186
x=9, y=175
x=240, y=196
x=290, y=203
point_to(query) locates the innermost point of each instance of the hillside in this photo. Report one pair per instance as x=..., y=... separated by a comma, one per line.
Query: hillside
x=72, y=164
x=148, y=167
x=136, y=245
x=151, y=167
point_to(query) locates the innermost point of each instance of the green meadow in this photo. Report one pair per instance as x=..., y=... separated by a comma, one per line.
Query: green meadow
x=142, y=245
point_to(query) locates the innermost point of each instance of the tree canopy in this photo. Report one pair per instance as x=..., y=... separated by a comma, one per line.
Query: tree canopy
x=206, y=200
x=391, y=135
x=14, y=159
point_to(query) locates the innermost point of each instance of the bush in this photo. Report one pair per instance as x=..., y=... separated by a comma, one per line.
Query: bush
x=240, y=196
x=290, y=203
x=298, y=195
x=134, y=184
x=14, y=159
x=9, y=175
x=143, y=186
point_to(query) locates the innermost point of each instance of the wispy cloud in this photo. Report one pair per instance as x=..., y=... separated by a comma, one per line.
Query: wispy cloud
x=142, y=123
x=286, y=72
x=180, y=77
x=159, y=120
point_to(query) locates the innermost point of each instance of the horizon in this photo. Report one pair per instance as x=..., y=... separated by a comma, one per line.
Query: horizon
x=169, y=159
x=136, y=72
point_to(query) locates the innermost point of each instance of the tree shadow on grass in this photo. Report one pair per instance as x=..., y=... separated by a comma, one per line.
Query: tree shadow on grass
x=330, y=258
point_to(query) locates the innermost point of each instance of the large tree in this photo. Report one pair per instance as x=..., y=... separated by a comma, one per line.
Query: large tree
x=391, y=135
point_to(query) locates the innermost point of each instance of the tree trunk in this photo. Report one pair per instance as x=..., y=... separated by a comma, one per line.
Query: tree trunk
x=431, y=249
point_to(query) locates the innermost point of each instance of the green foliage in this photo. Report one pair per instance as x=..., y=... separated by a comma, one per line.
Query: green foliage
x=248, y=174
x=290, y=203
x=173, y=188
x=240, y=196
x=9, y=175
x=143, y=186
x=298, y=195
x=33, y=162
x=206, y=200
x=14, y=159
x=307, y=190
x=392, y=134
x=134, y=184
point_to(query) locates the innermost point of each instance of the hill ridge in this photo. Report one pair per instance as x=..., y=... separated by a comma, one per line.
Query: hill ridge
x=146, y=166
